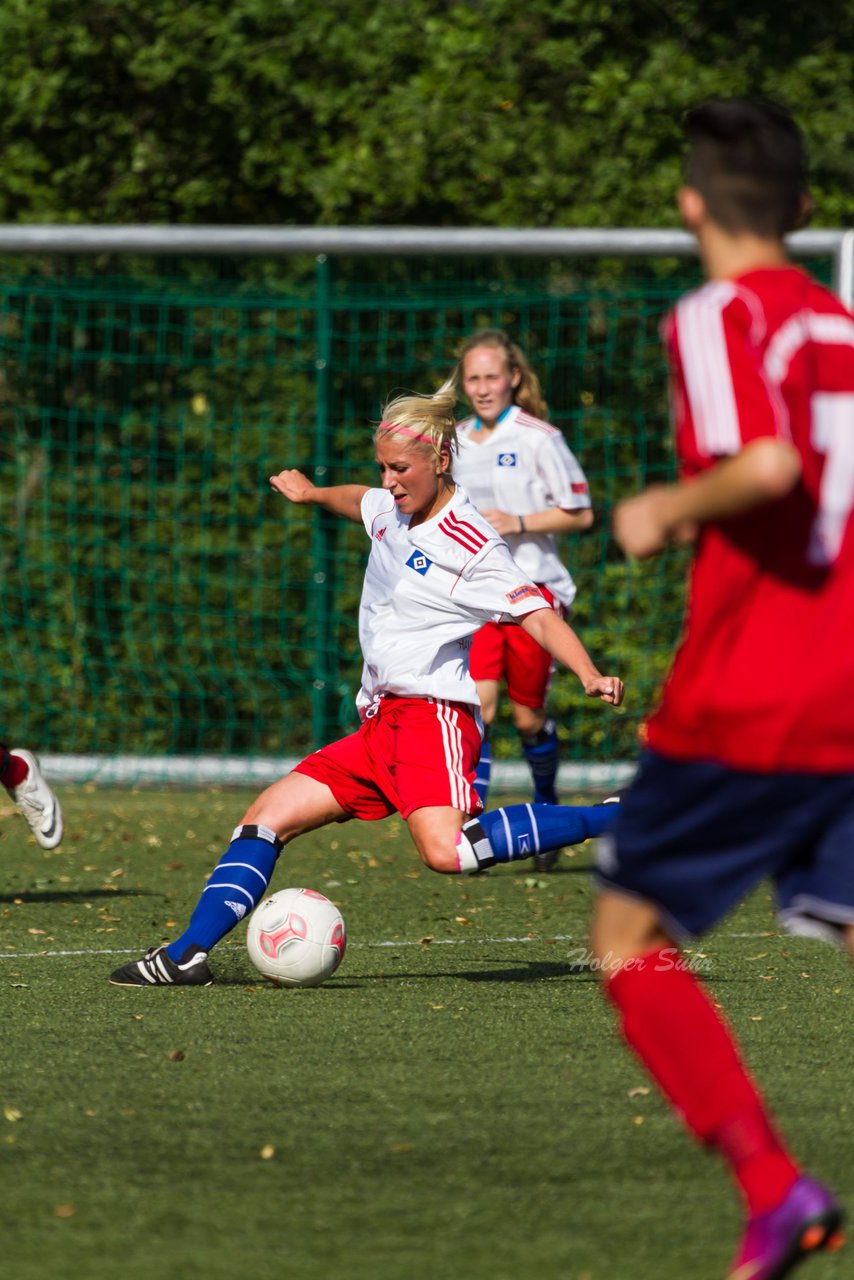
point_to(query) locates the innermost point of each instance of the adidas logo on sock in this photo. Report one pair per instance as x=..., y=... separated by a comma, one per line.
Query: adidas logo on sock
x=239, y=908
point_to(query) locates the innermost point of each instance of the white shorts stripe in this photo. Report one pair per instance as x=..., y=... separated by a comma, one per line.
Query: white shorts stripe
x=452, y=741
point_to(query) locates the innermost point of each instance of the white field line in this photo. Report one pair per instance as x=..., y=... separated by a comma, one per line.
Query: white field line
x=367, y=946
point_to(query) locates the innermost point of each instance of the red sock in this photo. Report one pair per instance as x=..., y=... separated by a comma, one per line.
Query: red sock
x=13, y=769
x=673, y=1027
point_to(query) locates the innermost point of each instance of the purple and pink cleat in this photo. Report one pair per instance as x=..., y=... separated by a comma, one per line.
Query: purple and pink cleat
x=808, y=1220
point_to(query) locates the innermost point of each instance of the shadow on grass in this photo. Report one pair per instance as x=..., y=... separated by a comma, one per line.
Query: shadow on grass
x=527, y=870
x=73, y=895
x=535, y=971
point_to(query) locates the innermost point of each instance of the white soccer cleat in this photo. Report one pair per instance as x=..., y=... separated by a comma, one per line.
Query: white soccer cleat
x=38, y=803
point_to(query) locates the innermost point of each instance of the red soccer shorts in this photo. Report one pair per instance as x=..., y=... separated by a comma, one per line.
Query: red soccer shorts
x=504, y=651
x=414, y=753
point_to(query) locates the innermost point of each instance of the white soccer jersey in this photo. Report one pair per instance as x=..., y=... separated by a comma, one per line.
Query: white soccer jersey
x=426, y=592
x=523, y=466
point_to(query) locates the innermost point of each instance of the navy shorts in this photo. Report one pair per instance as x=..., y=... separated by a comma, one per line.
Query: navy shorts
x=695, y=837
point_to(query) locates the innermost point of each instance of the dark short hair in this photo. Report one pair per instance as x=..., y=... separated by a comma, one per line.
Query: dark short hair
x=747, y=160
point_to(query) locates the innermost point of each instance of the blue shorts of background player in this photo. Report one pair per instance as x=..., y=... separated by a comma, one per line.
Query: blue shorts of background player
x=695, y=837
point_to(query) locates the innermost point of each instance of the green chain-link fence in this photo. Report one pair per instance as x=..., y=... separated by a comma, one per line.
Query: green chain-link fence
x=158, y=599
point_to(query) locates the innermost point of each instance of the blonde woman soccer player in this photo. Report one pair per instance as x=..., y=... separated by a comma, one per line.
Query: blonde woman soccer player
x=437, y=571
x=520, y=474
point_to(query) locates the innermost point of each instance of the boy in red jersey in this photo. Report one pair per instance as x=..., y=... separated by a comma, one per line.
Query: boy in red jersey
x=749, y=770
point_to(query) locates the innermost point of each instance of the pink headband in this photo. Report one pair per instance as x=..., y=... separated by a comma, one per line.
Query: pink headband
x=404, y=431
x=413, y=435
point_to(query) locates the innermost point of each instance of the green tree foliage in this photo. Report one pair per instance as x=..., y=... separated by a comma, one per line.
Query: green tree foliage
x=551, y=113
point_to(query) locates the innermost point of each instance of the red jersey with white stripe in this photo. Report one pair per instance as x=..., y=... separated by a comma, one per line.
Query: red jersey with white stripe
x=764, y=677
x=426, y=591
x=523, y=466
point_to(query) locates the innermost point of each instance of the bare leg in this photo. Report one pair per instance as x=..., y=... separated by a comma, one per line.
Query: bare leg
x=293, y=805
x=435, y=831
x=487, y=691
x=528, y=721
x=849, y=940
x=624, y=929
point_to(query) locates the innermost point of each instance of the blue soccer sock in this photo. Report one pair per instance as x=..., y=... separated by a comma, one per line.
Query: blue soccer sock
x=541, y=751
x=519, y=831
x=237, y=883
x=483, y=773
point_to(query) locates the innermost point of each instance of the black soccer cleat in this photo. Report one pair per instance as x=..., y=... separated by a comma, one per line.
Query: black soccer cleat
x=158, y=969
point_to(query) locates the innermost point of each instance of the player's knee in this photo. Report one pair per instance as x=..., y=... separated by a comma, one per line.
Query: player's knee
x=624, y=928
x=442, y=860
x=528, y=721
x=440, y=856
x=263, y=815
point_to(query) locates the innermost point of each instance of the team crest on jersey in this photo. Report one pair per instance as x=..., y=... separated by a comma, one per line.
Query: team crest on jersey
x=419, y=562
x=507, y=459
x=523, y=593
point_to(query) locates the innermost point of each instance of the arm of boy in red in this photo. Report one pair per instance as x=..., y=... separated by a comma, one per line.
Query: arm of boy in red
x=764, y=470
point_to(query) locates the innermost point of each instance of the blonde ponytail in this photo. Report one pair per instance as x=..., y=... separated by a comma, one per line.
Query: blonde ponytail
x=425, y=422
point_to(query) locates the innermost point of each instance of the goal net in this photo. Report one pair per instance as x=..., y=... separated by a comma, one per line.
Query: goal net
x=166, y=615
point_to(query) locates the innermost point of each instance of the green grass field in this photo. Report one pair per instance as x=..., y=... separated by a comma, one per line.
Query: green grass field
x=452, y=1105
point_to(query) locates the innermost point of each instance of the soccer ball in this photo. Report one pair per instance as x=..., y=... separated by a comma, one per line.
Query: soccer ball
x=296, y=938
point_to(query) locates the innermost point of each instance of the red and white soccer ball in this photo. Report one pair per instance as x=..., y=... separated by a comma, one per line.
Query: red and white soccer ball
x=296, y=938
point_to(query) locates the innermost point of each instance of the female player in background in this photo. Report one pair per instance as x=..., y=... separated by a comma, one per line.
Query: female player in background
x=437, y=571
x=518, y=471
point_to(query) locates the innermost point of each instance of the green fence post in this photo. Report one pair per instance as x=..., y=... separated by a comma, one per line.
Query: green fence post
x=323, y=536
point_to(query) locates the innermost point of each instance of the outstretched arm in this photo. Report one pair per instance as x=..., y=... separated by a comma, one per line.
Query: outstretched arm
x=550, y=520
x=341, y=499
x=763, y=471
x=562, y=643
